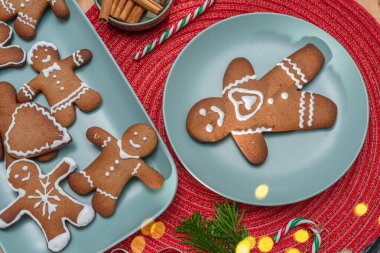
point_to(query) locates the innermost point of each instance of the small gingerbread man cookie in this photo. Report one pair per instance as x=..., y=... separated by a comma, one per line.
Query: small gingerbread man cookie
x=28, y=130
x=10, y=56
x=41, y=198
x=273, y=103
x=119, y=161
x=29, y=12
x=59, y=83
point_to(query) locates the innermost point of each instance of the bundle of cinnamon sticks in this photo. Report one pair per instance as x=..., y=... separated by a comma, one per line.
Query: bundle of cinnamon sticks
x=129, y=11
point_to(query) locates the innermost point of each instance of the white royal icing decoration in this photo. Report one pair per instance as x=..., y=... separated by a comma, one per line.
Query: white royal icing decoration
x=36, y=46
x=8, y=6
x=106, y=194
x=270, y=101
x=112, y=168
x=302, y=108
x=238, y=103
x=107, y=174
x=311, y=110
x=55, y=67
x=144, y=138
x=202, y=112
x=77, y=58
x=22, y=5
x=135, y=133
x=70, y=99
x=292, y=76
x=117, y=161
x=87, y=177
x=105, y=142
x=26, y=178
x=25, y=168
x=17, y=176
x=220, y=113
x=238, y=82
x=25, y=19
x=27, y=91
x=47, y=59
x=134, y=144
x=284, y=95
x=251, y=131
x=44, y=199
x=5, y=42
x=124, y=155
x=65, y=136
x=297, y=69
x=209, y=128
x=136, y=169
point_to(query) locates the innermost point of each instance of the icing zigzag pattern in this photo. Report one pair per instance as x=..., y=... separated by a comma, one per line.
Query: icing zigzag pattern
x=238, y=82
x=8, y=6
x=106, y=194
x=23, y=18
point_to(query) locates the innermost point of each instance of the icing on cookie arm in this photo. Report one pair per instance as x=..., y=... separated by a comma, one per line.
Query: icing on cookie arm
x=11, y=213
x=60, y=8
x=79, y=58
x=152, y=178
x=29, y=90
x=65, y=167
x=99, y=137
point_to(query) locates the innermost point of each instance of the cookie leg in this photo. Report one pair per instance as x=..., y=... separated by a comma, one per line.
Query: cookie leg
x=81, y=183
x=26, y=26
x=89, y=101
x=104, y=204
x=66, y=116
x=80, y=215
x=253, y=146
x=47, y=157
x=57, y=235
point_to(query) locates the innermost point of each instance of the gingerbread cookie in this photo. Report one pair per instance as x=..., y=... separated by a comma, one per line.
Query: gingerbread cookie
x=119, y=161
x=273, y=103
x=29, y=12
x=28, y=130
x=10, y=56
x=41, y=198
x=59, y=83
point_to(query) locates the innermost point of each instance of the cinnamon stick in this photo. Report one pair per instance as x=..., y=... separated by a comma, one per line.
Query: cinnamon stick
x=136, y=14
x=127, y=10
x=114, y=5
x=105, y=11
x=150, y=5
x=119, y=8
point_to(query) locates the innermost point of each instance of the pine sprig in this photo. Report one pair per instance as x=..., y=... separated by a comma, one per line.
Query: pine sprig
x=220, y=233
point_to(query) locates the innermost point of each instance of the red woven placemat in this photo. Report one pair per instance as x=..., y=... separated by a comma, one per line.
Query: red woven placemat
x=357, y=31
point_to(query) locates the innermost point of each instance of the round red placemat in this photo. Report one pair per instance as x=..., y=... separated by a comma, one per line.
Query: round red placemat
x=357, y=31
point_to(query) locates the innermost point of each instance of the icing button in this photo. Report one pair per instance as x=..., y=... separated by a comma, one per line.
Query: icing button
x=22, y=5
x=62, y=88
x=112, y=168
x=107, y=174
x=117, y=161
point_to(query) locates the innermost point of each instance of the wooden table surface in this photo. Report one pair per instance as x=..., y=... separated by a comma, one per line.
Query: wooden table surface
x=372, y=6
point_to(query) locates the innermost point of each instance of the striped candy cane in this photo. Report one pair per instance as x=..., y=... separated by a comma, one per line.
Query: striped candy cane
x=296, y=222
x=173, y=29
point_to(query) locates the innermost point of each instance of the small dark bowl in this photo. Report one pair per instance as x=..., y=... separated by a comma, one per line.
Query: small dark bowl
x=147, y=21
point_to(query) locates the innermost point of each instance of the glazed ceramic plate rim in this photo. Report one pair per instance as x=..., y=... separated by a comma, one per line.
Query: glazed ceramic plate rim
x=172, y=179
x=226, y=194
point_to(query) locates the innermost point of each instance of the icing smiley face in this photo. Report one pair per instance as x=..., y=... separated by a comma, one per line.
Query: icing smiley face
x=21, y=173
x=43, y=55
x=206, y=120
x=139, y=140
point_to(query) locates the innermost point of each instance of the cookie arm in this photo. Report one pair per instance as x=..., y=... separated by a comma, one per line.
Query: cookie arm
x=63, y=169
x=253, y=146
x=99, y=137
x=60, y=8
x=79, y=58
x=29, y=91
x=11, y=214
x=152, y=178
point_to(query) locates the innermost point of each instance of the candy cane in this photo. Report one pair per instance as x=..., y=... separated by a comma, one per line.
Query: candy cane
x=296, y=222
x=173, y=29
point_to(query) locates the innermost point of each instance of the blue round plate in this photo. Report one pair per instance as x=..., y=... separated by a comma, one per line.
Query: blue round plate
x=300, y=164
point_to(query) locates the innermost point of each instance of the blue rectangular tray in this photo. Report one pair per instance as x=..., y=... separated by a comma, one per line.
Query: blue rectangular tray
x=120, y=109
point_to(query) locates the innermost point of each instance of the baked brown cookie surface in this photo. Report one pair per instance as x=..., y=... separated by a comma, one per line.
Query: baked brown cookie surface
x=58, y=82
x=27, y=14
x=119, y=161
x=42, y=199
x=10, y=55
x=27, y=129
x=274, y=103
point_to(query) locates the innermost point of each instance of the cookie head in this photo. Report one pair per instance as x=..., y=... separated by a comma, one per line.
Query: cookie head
x=139, y=140
x=206, y=120
x=42, y=55
x=22, y=172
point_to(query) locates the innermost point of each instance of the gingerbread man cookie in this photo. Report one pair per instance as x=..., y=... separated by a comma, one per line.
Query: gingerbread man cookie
x=28, y=130
x=59, y=83
x=119, y=161
x=10, y=56
x=41, y=198
x=29, y=12
x=273, y=103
